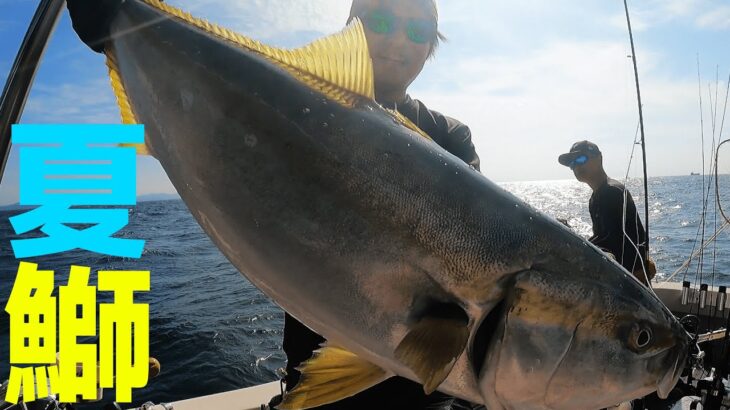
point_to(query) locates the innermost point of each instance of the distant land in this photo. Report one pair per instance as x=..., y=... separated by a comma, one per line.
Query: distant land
x=157, y=197
x=141, y=198
x=13, y=207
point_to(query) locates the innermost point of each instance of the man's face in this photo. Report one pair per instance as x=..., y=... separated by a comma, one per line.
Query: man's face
x=584, y=171
x=391, y=27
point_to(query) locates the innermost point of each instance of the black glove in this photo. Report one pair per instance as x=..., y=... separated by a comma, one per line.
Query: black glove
x=91, y=19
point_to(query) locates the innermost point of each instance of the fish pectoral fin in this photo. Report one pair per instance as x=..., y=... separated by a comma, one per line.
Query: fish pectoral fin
x=431, y=347
x=331, y=375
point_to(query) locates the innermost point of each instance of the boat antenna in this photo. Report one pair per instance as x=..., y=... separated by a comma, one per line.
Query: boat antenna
x=21, y=75
x=641, y=125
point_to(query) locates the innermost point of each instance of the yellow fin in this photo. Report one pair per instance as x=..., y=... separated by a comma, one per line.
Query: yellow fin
x=339, y=65
x=408, y=123
x=342, y=59
x=431, y=347
x=331, y=375
x=120, y=93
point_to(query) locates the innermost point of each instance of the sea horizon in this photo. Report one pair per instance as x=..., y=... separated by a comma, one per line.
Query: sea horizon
x=171, y=196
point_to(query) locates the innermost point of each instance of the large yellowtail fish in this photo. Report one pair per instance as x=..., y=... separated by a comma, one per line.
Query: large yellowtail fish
x=408, y=261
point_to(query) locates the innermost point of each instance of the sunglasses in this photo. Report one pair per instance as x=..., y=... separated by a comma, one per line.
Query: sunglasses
x=382, y=21
x=578, y=161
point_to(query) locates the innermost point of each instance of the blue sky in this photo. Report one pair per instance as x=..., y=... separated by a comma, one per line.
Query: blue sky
x=529, y=77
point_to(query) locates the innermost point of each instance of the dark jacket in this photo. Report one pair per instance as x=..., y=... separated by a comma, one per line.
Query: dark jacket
x=607, y=212
x=450, y=134
x=396, y=392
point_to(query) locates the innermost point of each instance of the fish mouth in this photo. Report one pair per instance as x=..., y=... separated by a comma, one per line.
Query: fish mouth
x=670, y=379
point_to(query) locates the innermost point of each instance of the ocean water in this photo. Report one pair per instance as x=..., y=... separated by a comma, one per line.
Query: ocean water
x=213, y=331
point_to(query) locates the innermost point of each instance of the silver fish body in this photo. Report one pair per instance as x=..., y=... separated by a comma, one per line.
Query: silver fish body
x=361, y=228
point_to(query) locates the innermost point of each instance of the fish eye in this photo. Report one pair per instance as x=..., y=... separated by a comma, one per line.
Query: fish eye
x=643, y=338
x=639, y=337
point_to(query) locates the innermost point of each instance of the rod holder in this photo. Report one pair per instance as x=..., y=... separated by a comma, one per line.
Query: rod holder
x=721, y=298
x=685, y=293
x=703, y=295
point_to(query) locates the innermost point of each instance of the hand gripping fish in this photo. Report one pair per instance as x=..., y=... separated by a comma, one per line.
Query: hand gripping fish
x=408, y=261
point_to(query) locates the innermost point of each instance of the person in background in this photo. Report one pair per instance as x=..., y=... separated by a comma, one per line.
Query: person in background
x=402, y=35
x=617, y=228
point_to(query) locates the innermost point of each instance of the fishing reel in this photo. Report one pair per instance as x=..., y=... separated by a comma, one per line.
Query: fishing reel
x=704, y=382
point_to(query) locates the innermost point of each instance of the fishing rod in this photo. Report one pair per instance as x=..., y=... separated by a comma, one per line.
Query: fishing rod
x=711, y=392
x=717, y=153
x=24, y=69
x=641, y=125
x=717, y=185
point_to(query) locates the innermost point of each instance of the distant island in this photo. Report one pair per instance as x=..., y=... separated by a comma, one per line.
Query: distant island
x=157, y=197
x=140, y=198
x=13, y=207
x=694, y=173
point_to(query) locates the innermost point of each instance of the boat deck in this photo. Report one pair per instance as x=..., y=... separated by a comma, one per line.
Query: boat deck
x=250, y=398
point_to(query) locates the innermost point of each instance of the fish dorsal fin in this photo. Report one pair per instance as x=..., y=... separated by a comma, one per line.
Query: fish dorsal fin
x=338, y=65
x=332, y=374
x=431, y=348
x=342, y=59
x=408, y=123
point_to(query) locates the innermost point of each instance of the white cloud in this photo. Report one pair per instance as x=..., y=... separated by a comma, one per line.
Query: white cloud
x=526, y=110
x=650, y=13
x=703, y=14
x=639, y=21
x=676, y=8
x=718, y=18
x=90, y=101
x=264, y=19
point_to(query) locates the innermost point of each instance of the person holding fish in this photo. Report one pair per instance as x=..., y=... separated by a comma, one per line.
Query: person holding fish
x=402, y=36
x=616, y=225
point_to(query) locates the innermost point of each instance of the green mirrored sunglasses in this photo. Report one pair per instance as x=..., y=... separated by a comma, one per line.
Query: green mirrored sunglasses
x=383, y=21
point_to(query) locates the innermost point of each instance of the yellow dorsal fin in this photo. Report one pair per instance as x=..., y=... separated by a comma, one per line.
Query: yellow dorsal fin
x=408, y=123
x=332, y=374
x=338, y=65
x=342, y=59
